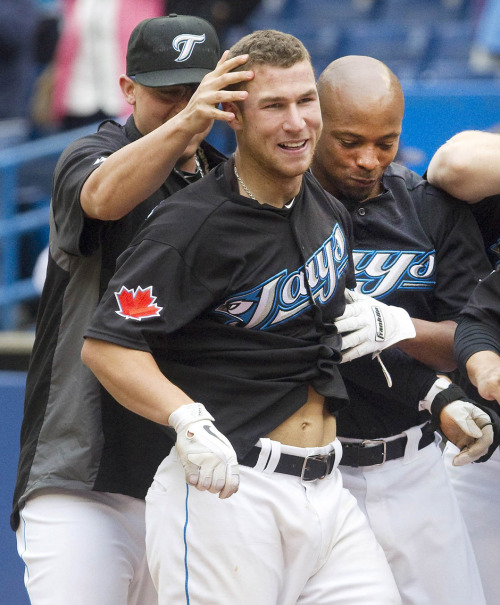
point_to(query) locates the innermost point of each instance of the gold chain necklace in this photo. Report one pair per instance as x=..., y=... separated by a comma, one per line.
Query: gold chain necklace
x=247, y=190
x=251, y=195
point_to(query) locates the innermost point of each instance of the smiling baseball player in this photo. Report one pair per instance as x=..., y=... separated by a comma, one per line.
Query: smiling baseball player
x=243, y=273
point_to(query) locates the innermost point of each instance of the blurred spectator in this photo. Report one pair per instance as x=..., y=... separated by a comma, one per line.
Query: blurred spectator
x=81, y=84
x=46, y=37
x=485, y=52
x=17, y=35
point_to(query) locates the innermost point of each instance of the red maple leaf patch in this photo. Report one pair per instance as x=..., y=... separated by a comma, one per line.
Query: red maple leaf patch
x=137, y=304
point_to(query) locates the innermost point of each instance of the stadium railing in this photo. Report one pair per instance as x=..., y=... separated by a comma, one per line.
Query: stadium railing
x=25, y=184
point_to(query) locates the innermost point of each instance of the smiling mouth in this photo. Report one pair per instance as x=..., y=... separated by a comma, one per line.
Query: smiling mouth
x=293, y=146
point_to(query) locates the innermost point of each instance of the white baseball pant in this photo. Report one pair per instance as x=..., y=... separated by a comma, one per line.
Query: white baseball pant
x=82, y=548
x=477, y=489
x=277, y=541
x=414, y=514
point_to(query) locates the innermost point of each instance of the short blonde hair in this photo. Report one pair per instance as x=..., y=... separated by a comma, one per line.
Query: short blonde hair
x=269, y=47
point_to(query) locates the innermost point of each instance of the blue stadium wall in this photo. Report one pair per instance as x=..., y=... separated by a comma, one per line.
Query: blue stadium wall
x=435, y=112
x=12, y=589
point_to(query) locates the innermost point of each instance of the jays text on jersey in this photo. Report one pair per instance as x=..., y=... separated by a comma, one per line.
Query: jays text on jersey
x=236, y=301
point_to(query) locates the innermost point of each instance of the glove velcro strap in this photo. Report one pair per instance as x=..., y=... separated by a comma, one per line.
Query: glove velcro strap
x=443, y=398
x=453, y=393
x=495, y=425
x=186, y=414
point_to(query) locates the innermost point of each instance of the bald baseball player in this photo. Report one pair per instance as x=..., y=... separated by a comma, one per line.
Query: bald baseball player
x=86, y=462
x=417, y=249
x=218, y=324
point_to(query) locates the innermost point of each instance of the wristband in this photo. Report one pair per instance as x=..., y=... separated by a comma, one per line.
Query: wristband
x=185, y=414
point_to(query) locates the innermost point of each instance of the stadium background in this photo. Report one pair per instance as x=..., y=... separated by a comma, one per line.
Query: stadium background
x=427, y=43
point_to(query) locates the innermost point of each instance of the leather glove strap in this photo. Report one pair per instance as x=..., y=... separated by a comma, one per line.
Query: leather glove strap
x=443, y=398
x=453, y=393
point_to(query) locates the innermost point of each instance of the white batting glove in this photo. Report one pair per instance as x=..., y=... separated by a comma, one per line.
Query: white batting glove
x=472, y=422
x=208, y=458
x=370, y=326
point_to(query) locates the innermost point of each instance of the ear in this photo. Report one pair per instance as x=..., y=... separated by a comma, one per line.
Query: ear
x=128, y=89
x=235, y=108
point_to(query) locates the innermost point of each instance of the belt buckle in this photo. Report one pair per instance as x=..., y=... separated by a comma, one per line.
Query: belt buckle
x=376, y=442
x=327, y=458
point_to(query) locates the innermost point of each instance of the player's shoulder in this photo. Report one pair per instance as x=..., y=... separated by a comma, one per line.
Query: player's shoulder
x=108, y=133
x=418, y=188
x=94, y=147
x=182, y=214
x=399, y=175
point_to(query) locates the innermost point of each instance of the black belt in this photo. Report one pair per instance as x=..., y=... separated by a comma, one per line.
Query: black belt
x=308, y=468
x=371, y=452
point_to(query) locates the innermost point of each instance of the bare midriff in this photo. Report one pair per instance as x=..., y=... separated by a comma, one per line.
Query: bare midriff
x=310, y=426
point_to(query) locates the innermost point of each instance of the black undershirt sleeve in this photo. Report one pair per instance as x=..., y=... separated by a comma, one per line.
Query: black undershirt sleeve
x=473, y=336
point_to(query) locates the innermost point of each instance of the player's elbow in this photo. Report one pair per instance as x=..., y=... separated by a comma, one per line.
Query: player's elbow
x=99, y=201
x=99, y=207
x=450, y=170
x=90, y=354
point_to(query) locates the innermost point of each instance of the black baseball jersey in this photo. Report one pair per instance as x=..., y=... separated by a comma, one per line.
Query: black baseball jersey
x=74, y=435
x=487, y=215
x=236, y=300
x=417, y=248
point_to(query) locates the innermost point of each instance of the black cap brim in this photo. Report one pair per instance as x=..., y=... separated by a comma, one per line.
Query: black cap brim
x=172, y=77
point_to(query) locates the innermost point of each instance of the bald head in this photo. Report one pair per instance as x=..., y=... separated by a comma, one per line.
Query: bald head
x=362, y=105
x=360, y=81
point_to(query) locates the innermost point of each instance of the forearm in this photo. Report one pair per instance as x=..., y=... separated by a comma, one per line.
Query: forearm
x=411, y=380
x=133, y=378
x=483, y=369
x=466, y=166
x=433, y=344
x=134, y=172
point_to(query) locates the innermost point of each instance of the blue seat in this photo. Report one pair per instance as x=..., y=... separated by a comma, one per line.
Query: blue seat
x=450, y=69
x=427, y=11
x=448, y=55
x=322, y=9
x=452, y=40
x=403, y=47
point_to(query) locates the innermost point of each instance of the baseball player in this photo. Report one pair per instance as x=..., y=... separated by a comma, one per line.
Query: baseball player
x=232, y=345
x=467, y=166
x=416, y=249
x=86, y=462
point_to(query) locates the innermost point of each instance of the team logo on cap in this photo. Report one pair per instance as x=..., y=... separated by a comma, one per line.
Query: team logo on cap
x=137, y=304
x=184, y=44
